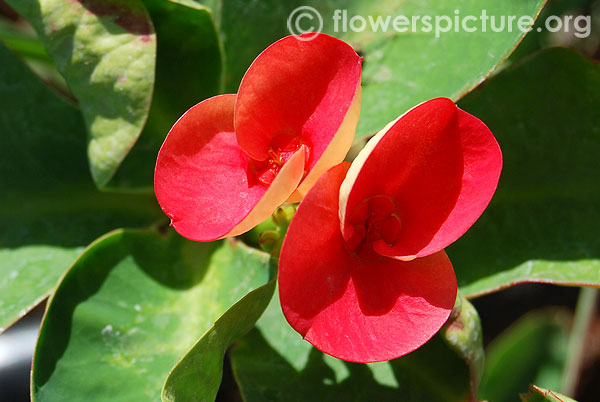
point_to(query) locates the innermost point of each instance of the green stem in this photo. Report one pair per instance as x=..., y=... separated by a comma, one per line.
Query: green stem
x=584, y=313
x=463, y=334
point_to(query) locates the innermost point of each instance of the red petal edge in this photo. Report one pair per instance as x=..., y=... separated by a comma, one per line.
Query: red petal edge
x=356, y=310
x=201, y=180
x=441, y=167
x=300, y=88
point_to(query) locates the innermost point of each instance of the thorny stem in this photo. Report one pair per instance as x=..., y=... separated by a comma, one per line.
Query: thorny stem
x=463, y=334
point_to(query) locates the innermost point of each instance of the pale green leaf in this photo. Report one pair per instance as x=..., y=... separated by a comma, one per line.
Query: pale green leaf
x=50, y=206
x=198, y=375
x=130, y=307
x=401, y=69
x=188, y=70
x=106, y=51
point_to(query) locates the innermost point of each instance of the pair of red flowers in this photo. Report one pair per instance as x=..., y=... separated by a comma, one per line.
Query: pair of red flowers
x=362, y=272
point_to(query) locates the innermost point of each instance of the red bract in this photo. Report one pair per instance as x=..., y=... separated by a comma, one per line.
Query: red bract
x=230, y=160
x=362, y=274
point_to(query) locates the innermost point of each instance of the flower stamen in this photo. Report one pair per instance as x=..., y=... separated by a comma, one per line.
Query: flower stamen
x=372, y=220
x=283, y=147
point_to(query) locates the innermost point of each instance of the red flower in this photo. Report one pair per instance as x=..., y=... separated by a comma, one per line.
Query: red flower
x=230, y=160
x=362, y=272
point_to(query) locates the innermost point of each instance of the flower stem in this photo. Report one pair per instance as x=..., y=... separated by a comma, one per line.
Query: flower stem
x=584, y=313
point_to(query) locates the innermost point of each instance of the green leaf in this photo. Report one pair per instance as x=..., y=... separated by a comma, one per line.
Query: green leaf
x=537, y=394
x=542, y=223
x=106, y=51
x=197, y=376
x=533, y=350
x=272, y=363
x=540, y=38
x=400, y=69
x=188, y=70
x=50, y=207
x=22, y=41
x=129, y=307
x=27, y=275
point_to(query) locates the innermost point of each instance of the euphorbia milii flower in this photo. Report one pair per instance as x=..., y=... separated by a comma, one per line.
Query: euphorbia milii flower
x=230, y=160
x=362, y=273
